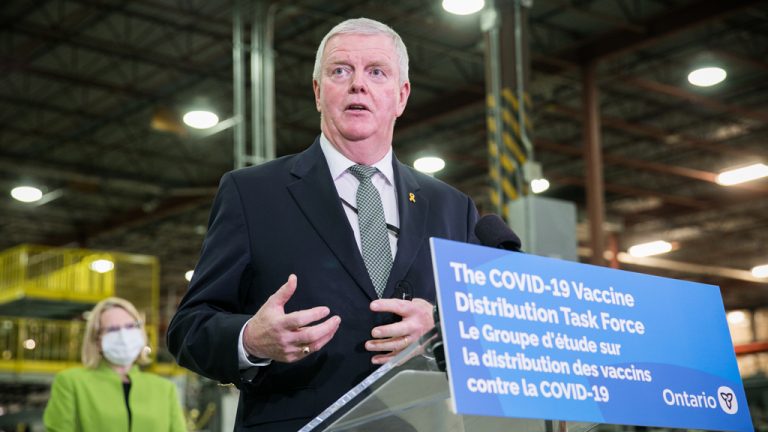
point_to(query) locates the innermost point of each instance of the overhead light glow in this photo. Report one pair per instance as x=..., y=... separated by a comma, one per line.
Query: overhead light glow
x=429, y=164
x=760, y=271
x=102, y=265
x=463, y=7
x=539, y=185
x=188, y=275
x=652, y=248
x=707, y=76
x=26, y=194
x=30, y=344
x=736, y=317
x=201, y=119
x=743, y=174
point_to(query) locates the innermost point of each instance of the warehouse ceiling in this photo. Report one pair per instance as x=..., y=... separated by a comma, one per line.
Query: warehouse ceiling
x=92, y=90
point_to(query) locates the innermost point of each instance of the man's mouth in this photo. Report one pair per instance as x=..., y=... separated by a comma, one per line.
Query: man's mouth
x=357, y=107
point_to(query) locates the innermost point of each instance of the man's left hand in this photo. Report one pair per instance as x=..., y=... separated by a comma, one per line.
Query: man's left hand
x=416, y=320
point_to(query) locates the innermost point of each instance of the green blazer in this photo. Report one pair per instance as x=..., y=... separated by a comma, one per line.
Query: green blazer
x=85, y=400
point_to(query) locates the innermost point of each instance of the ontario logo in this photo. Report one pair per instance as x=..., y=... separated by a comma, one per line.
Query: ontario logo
x=725, y=398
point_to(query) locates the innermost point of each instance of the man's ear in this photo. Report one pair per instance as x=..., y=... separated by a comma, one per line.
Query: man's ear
x=316, y=89
x=405, y=91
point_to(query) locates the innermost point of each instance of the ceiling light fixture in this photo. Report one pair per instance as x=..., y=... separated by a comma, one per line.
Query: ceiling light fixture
x=429, y=164
x=201, y=119
x=760, y=271
x=651, y=248
x=736, y=317
x=463, y=7
x=539, y=185
x=102, y=265
x=27, y=194
x=707, y=76
x=188, y=275
x=743, y=174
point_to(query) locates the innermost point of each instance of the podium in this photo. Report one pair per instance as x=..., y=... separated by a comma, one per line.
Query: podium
x=410, y=394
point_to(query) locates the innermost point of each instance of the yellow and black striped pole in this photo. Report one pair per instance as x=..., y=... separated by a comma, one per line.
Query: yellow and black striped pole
x=507, y=102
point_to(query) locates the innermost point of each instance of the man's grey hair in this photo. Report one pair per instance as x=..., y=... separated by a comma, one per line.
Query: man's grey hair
x=365, y=26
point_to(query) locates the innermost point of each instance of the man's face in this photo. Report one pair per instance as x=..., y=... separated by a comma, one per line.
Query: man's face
x=359, y=95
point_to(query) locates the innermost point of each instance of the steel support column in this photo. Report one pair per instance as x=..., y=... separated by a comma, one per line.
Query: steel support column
x=507, y=65
x=261, y=147
x=594, y=162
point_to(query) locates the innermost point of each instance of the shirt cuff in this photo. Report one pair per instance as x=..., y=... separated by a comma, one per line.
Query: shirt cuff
x=246, y=361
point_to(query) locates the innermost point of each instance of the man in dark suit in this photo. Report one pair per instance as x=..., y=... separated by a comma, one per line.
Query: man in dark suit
x=293, y=298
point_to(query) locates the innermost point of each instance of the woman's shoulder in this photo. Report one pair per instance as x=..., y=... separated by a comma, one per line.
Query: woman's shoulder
x=153, y=379
x=74, y=372
x=72, y=375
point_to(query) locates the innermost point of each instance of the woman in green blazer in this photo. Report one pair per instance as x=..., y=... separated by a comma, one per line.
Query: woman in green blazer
x=110, y=393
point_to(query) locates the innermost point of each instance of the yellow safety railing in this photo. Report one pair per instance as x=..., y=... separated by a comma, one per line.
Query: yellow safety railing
x=48, y=346
x=31, y=272
x=56, y=274
x=38, y=345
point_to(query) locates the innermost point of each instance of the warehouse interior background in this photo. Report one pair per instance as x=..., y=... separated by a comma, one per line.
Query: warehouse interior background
x=93, y=92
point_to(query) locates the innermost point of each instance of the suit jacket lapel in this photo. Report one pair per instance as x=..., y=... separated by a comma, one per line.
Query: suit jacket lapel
x=315, y=193
x=413, y=218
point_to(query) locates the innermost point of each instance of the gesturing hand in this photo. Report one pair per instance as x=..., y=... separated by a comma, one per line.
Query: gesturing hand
x=416, y=320
x=273, y=334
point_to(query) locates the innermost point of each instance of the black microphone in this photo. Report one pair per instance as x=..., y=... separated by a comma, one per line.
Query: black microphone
x=492, y=231
x=437, y=348
x=403, y=290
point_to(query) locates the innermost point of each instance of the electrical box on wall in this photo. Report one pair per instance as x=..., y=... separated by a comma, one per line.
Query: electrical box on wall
x=546, y=226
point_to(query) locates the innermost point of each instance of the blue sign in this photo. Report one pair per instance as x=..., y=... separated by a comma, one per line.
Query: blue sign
x=534, y=337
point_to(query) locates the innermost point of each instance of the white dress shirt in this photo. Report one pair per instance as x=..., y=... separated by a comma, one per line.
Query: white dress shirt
x=346, y=187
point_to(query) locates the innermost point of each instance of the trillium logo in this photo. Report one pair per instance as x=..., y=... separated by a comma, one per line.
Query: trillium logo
x=727, y=399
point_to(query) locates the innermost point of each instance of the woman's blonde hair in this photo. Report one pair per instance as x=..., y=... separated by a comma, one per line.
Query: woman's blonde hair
x=91, y=353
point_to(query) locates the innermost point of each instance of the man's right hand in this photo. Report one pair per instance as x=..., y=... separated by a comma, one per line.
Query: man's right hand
x=273, y=334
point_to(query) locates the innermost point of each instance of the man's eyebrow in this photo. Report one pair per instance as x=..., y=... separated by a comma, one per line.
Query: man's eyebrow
x=343, y=61
x=333, y=61
x=379, y=64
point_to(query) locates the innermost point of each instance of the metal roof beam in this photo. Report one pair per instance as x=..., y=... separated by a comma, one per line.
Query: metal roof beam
x=52, y=35
x=622, y=40
x=694, y=98
x=663, y=135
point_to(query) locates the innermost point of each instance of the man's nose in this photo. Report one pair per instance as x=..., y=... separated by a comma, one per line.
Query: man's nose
x=357, y=85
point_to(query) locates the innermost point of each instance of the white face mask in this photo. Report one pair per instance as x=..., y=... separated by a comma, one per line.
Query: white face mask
x=123, y=346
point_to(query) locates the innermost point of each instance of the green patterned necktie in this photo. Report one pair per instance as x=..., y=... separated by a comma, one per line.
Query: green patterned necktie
x=374, y=240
